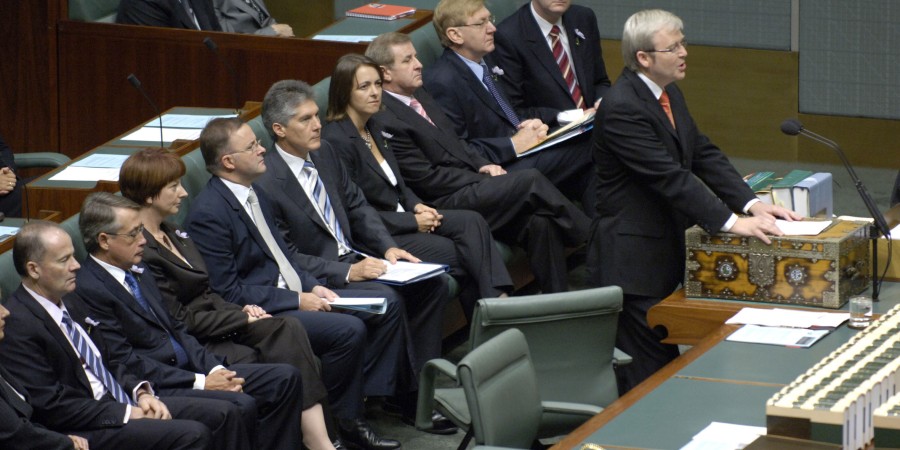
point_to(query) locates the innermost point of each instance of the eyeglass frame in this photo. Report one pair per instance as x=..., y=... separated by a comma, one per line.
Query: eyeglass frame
x=492, y=19
x=253, y=145
x=133, y=235
x=670, y=49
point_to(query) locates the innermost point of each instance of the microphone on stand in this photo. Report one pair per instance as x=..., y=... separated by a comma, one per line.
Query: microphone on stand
x=793, y=127
x=213, y=47
x=133, y=79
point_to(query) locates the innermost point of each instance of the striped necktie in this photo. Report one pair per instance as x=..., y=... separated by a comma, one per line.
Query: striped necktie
x=323, y=204
x=94, y=363
x=562, y=60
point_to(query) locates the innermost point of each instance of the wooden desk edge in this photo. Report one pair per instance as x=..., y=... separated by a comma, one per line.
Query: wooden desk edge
x=640, y=391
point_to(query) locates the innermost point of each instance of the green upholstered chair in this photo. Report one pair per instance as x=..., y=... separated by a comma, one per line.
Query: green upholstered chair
x=572, y=336
x=194, y=180
x=93, y=10
x=321, y=93
x=9, y=279
x=40, y=159
x=502, y=396
x=503, y=8
x=71, y=227
x=428, y=46
x=259, y=129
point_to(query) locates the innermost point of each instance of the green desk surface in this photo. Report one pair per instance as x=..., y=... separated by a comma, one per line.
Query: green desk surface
x=671, y=415
x=356, y=26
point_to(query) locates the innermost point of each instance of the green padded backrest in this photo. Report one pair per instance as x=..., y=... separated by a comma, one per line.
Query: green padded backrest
x=93, y=10
x=259, y=129
x=9, y=279
x=428, y=46
x=194, y=180
x=321, y=93
x=71, y=227
x=501, y=391
x=571, y=336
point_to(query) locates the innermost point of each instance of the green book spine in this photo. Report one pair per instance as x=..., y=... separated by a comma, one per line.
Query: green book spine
x=792, y=178
x=759, y=180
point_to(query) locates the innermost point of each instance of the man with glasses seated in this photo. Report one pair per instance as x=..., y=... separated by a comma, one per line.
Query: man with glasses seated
x=466, y=82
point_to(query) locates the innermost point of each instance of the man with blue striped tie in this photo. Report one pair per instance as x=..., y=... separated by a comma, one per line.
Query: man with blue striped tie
x=54, y=354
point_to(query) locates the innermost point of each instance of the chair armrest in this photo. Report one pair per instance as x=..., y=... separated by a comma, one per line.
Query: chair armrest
x=571, y=408
x=425, y=402
x=620, y=358
x=40, y=159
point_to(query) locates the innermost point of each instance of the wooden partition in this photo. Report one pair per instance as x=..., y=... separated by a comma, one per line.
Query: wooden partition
x=96, y=101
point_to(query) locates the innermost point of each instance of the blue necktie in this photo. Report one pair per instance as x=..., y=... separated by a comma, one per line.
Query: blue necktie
x=324, y=203
x=94, y=363
x=131, y=281
x=507, y=110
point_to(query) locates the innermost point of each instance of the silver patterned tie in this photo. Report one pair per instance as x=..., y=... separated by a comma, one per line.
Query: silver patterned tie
x=284, y=266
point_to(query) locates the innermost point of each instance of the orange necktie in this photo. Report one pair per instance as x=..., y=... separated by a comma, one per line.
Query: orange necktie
x=664, y=102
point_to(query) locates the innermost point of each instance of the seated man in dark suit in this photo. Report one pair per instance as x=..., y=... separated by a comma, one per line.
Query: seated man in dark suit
x=143, y=336
x=327, y=218
x=10, y=185
x=249, y=262
x=551, y=57
x=16, y=428
x=658, y=175
x=521, y=207
x=465, y=82
x=54, y=351
x=249, y=16
x=189, y=14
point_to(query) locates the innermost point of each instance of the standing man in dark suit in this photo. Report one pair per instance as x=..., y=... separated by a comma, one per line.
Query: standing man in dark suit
x=658, y=175
x=189, y=14
x=521, y=207
x=465, y=82
x=143, y=337
x=53, y=349
x=551, y=57
x=16, y=427
x=249, y=16
x=250, y=263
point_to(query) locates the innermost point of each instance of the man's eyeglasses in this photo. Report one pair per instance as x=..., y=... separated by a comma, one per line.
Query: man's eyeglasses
x=131, y=235
x=481, y=24
x=670, y=49
x=250, y=148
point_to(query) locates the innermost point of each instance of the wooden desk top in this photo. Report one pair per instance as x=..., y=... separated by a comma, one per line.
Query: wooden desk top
x=7, y=243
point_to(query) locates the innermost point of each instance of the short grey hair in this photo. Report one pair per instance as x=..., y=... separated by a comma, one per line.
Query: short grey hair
x=98, y=215
x=640, y=29
x=282, y=101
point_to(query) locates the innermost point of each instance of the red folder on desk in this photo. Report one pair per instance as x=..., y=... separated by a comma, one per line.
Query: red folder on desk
x=381, y=11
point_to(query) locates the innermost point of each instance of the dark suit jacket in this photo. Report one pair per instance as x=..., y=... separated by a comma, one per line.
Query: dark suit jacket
x=433, y=160
x=475, y=114
x=241, y=267
x=236, y=16
x=652, y=185
x=35, y=351
x=185, y=288
x=364, y=169
x=138, y=339
x=11, y=204
x=16, y=428
x=531, y=76
x=168, y=13
x=298, y=220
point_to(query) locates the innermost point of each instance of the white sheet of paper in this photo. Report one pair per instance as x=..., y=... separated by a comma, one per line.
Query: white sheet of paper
x=6, y=232
x=779, y=317
x=803, y=227
x=351, y=301
x=895, y=233
x=791, y=337
x=74, y=173
x=404, y=270
x=185, y=120
x=151, y=134
x=101, y=160
x=344, y=37
x=720, y=435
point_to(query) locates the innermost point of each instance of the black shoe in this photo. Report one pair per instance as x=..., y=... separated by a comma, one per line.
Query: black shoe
x=439, y=424
x=357, y=434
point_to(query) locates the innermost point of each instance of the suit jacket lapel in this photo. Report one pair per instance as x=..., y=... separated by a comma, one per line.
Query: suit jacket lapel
x=537, y=42
x=55, y=332
x=194, y=259
x=118, y=291
x=346, y=126
x=218, y=186
x=444, y=134
x=474, y=83
x=291, y=187
x=8, y=390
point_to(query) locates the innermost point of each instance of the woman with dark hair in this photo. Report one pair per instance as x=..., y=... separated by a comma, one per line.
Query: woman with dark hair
x=458, y=238
x=152, y=179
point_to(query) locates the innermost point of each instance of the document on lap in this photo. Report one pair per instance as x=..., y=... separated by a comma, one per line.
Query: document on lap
x=369, y=305
x=404, y=272
x=561, y=134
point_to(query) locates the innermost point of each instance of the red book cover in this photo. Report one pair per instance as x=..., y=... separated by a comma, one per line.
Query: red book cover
x=381, y=11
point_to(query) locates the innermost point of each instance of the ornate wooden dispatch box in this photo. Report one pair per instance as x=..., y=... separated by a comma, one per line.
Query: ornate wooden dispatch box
x=823, y=270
